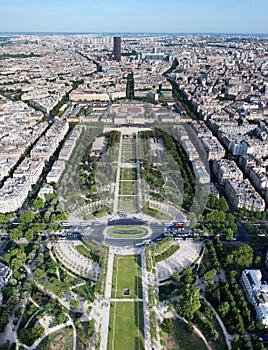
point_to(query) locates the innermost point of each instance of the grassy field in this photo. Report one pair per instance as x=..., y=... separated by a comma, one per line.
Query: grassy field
x=127, y=188
x=127, y=274
x=126, y=326
x=155, y=213
x=182, y=338
x=128, y=174
x=128, y=204
x=60, y=340
x=127, y=231
x=128, y=151
x=84, y=251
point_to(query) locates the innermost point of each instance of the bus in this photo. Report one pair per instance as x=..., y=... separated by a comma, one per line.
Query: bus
x=168, y=224
x=179, y=224
x=141, y=244
x=65, y=224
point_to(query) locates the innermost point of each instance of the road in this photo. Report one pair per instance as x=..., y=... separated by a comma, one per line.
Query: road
x=96, y=233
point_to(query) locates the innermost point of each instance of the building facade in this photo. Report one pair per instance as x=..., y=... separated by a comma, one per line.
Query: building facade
x=117, y=48
x=257, y=293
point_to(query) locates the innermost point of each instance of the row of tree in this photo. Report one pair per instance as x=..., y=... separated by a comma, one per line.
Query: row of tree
x=179, y=155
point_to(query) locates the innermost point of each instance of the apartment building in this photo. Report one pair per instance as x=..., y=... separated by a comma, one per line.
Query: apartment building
x=67, y=149
x=5, y=274
x=243, y=195
x=259, y=177
x=88, y=95
x=213, y=148
x=13, y=193
x=31, y=168
x=56, y=172
x=257, y=293
x=225, y=169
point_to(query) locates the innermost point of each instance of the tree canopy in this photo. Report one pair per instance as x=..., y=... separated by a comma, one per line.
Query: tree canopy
x=27, y=217
x=241, y=256
x=189, y=303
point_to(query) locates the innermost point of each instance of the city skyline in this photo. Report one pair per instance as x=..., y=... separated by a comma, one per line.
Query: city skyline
x=243, y=16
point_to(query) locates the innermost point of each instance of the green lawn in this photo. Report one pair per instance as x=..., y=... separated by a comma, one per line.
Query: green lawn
x=84, y=251
x=182, y=338
x=127, y=204
x=61, y=339
x=126, y=326
x=127, y=231
x=128, y=151
x=127, y=274
x=128, y=174
x=127, y=188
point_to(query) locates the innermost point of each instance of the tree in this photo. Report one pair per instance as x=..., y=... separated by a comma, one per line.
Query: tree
x=257, y=260
x=223, y=205
x=235, y=343
x=29, y=235
x=27, y=217
x=229, y=234
x=224, y=308
x=5, y=217
x=210, y=274
x=189, y=303
x=167, y=325
x=15, y=234
x=215, y=216
x=192, y=218
x=241, y=256
x=231, y=222
x=75, y=304
x=38, y=203
x=49, y=197
x=91, y=328
x=187, y=276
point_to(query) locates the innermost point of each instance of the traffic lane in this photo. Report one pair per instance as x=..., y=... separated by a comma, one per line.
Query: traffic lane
x=156, y=229
x=95, y=232
x=242, y=234
x=121, y=242
x=131, y=242
x=126, y=222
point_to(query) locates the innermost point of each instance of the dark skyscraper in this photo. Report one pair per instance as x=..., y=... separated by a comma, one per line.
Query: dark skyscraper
x=117, y=48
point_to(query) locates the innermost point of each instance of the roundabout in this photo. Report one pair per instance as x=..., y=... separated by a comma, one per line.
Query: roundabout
x=127, y=231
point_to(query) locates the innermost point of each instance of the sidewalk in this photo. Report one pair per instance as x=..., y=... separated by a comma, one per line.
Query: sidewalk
x=146, y=311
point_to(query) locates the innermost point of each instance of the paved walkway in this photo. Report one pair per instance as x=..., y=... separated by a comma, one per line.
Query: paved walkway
x=122, y=164
x=187, y=253
x=228, y=338
x=138, y=174
x=75, y=261
x=132, y=300
x=116, y=190
x=146, y=311
x=105, y=311
x=162, y=313
x=55, y=329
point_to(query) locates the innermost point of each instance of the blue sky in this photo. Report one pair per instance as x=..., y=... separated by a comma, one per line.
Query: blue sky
x=233, y=16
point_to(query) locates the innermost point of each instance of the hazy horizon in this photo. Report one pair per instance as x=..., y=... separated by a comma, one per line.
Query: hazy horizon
x=151, y=16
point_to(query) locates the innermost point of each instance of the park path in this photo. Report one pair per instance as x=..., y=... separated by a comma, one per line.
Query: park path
x=105, y=310
x=132, y=300
x=55, y=329
x=138, y=174
x=228, y=338
x=122, y=164
x=116, y=190
x=162, y=313
x=146, y=311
